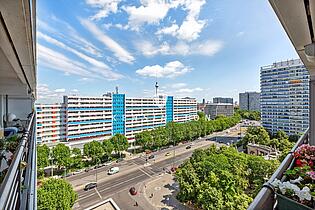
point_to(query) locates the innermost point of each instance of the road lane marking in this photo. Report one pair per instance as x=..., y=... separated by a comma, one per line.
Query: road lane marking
x=120, y=183
x=98, y=193
x=145, y=172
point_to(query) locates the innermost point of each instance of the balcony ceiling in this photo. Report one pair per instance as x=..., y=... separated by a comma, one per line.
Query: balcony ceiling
x=293, y=16
x=17, y=48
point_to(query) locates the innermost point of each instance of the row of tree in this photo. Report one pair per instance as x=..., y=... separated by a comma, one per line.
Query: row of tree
x=173, y=133
x=250, y=115
x=63, y=157
x=222, y=178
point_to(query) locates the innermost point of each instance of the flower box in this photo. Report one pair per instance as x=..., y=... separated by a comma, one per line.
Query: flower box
x=285, y=203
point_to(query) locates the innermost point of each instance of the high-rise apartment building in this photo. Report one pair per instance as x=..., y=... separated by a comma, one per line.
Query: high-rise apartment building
x=285, y=96
x=222, y=100
x=81, y=119
x=249, y=101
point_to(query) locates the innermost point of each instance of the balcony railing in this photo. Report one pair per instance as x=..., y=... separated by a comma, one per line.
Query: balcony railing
x=18, y=189
x=265, y=199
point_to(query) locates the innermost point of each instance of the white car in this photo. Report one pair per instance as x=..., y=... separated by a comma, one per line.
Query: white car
x=113, y=170
x=107, y=164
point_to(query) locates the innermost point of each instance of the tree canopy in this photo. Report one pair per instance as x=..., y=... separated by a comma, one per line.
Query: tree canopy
x=61, y=155
x=94, y=150
x=43, y=156
x=176, y=132
x=119, y=142
x=250, y=115
x=222, y=178
x=55, y=194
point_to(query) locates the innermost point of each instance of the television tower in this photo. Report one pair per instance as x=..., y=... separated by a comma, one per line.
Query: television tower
x=156, y=88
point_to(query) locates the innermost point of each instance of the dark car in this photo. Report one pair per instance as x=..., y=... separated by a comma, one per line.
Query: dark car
x=87, y=169
x=119, y=160
x=90, y=186
x=133, y=191
x=188, y=147
x=151, y=156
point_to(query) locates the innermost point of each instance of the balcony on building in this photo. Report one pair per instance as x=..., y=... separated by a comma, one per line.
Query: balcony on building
x=298, y=20
x=17, y=96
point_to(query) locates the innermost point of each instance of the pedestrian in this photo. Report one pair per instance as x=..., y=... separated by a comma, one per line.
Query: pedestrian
x=136, y=203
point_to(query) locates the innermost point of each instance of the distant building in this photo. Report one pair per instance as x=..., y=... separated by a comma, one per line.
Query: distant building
x=212, y=110
x=250, y=101
x=222, y=100
x=285, y=96
x=82, y=119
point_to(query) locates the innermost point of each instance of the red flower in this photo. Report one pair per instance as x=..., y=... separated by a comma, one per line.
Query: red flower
x=298, y=163
x=311, y=163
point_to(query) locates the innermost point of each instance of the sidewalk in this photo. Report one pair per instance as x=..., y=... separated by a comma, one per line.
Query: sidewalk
x=164, y=190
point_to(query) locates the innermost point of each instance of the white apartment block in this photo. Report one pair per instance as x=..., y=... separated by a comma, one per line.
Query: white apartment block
x=285, y=96
x=82, y=119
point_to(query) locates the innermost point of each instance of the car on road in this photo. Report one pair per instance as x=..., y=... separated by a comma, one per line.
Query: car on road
x=113, y=170
x=88, y=169
x=107, y=164
x=167, y=154
x=98, y=166
x=151, y=156
x=77, y=172
x=119, y=160
x=90, y=186
x=188, y=147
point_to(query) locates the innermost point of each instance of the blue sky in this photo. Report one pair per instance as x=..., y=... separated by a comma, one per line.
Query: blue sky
x=192, y=48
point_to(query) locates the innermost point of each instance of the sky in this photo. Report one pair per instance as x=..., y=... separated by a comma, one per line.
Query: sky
x=195, y=48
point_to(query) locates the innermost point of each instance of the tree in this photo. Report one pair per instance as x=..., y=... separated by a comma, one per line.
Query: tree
x=108, y=148
x=76, y=158
x=120, y=143
x=56, y=194
x=281, y=135
x=94, y=150
x=257, y=135
x=201, y=116
x=144, y=139
x=222, y=178
x=43, y=156
x=61, y=155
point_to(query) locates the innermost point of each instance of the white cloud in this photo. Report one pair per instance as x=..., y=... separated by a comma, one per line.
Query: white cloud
x=170, y=70
x=54, y=60
x=47, y=95
x=97, y=66
x=60, y=90
x=151, y=12
x=205, y=48
x=105, y=7
x=191, y=27
x=119, y=52
x=188, y=90
x=241, y=33
x=178, y=85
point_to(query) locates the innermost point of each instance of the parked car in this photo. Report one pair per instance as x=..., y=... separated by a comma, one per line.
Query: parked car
x=90, y=186
x=148, y=151
x=77, y=172
x=98, y=166
x=151, y=156
x=133, y=191
x=119, y=160
x=113, y=170
x=154, y=150
x=88, y=169
x=188, y=147
x=167, y=154
x=107, y=164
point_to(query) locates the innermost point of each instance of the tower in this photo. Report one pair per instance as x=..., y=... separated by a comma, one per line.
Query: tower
x=156, y=88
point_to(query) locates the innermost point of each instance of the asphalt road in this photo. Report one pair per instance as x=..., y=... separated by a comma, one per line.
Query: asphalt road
x=132, y=172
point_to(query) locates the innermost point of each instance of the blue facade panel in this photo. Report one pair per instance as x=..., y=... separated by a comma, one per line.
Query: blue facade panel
x=169, y=109
x=118, y=114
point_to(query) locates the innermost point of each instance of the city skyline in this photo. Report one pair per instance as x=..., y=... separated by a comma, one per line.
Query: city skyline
x=87, y=50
